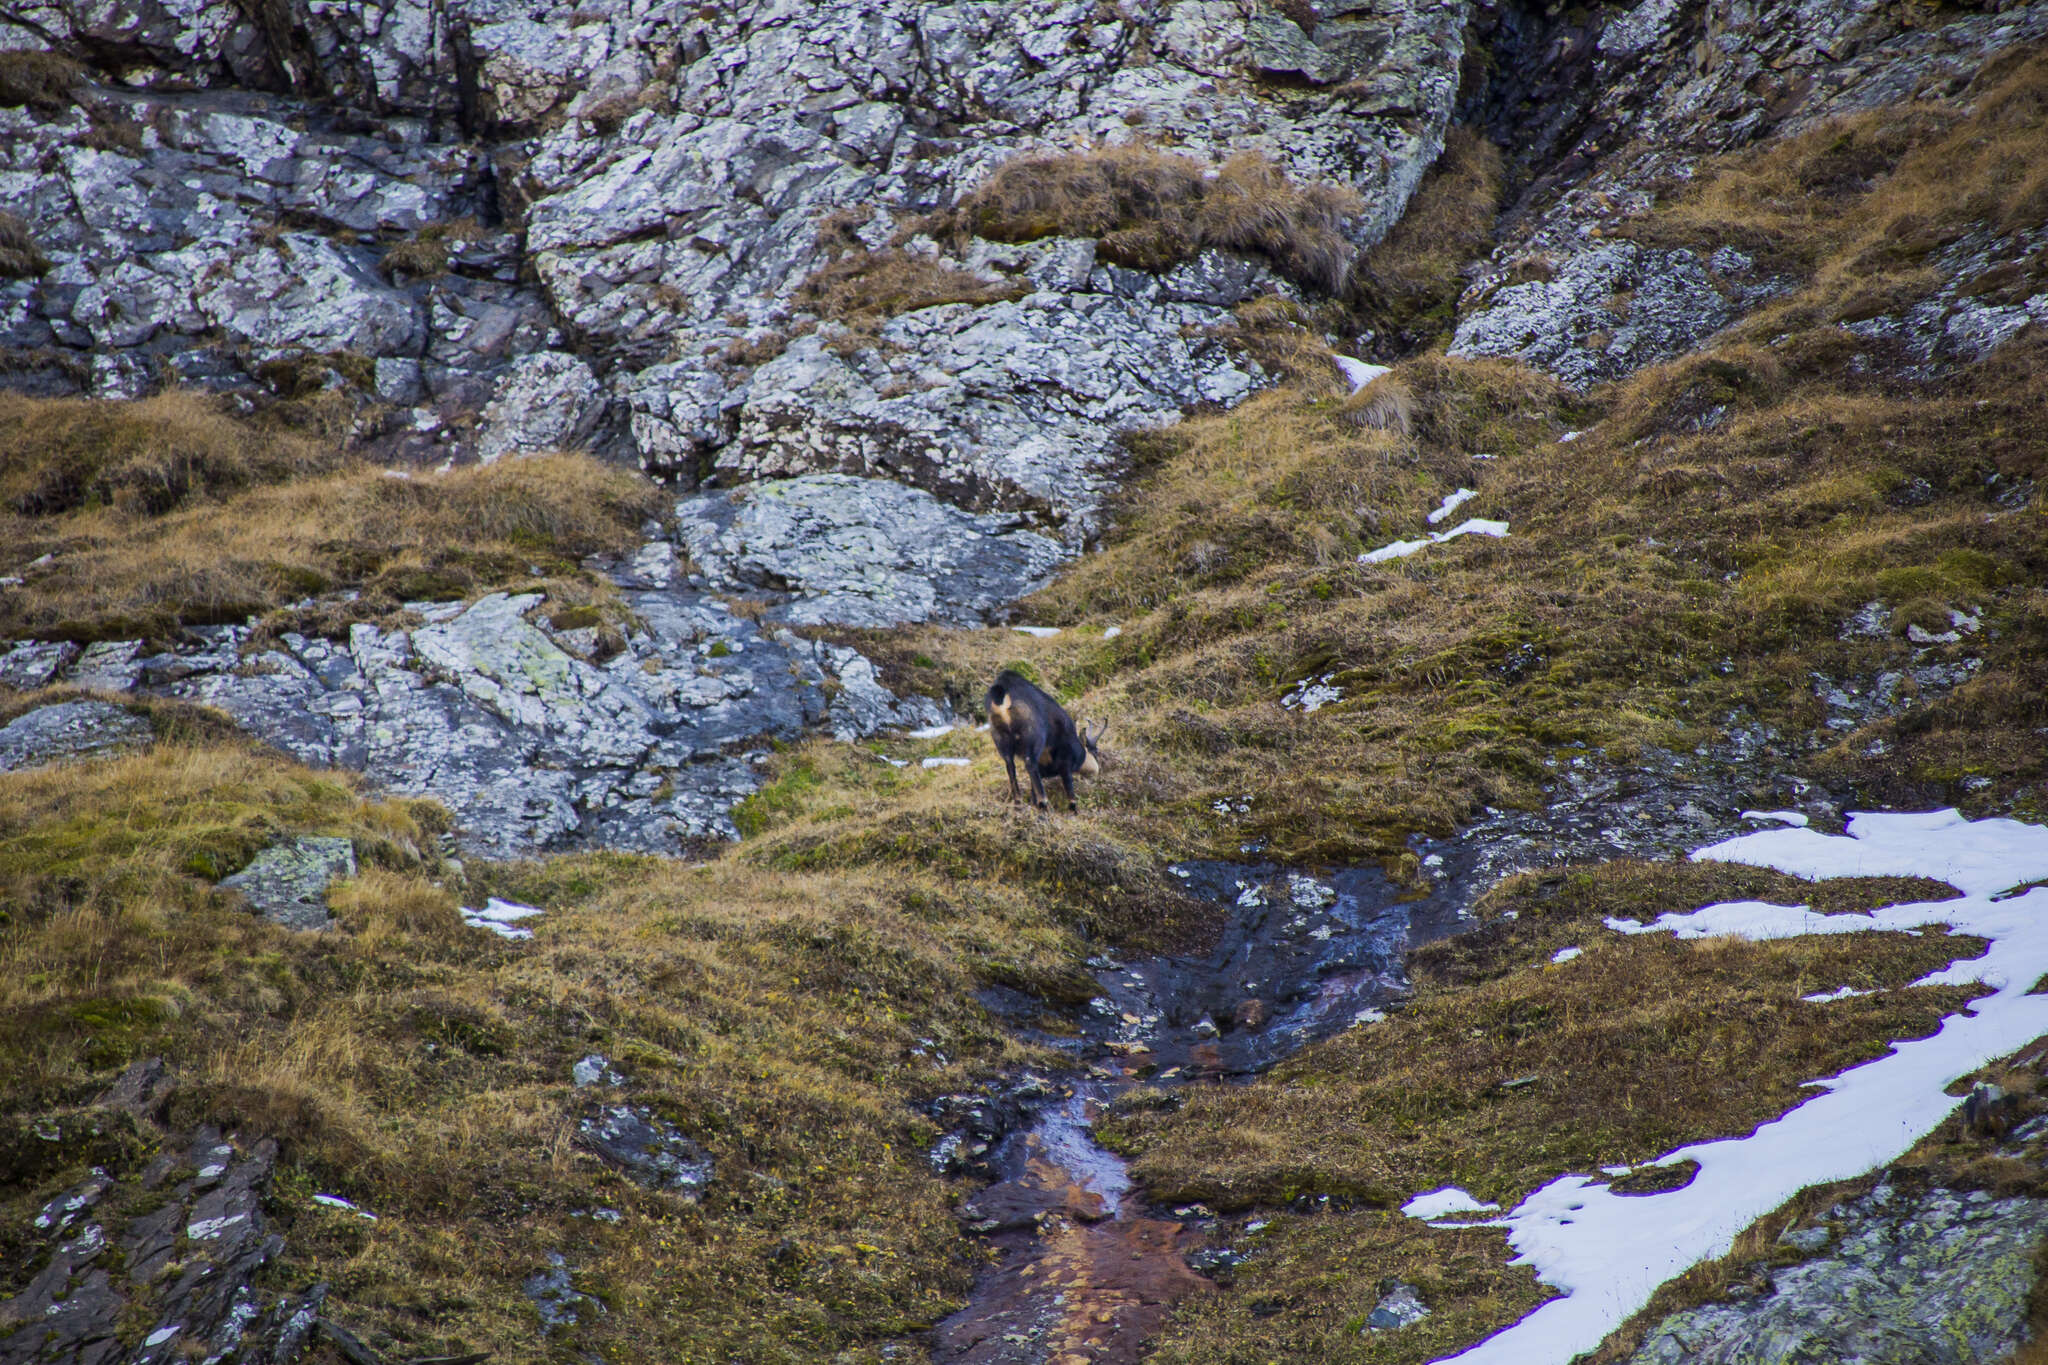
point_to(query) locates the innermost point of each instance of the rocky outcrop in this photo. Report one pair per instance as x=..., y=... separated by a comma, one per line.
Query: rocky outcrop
x=532, y=734
x=160, y=1260
x=521, y=225
x=862, y=552
x=1604, y=110
x=1945, y=1277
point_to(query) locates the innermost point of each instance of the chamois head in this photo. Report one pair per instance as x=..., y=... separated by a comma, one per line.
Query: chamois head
x=1092, y=764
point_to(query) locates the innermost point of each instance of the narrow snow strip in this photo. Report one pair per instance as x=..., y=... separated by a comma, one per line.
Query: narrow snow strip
x=1563, y=955
x=1400, y=549
x=1358, y=371
x=932, y=731
x=947, y=762
x=335, y=1201
x=1452, y=503
x=1839, y=993
x=1042, y=632
x=1608, y=1253
x=1783, y=817
x=1450, y=1199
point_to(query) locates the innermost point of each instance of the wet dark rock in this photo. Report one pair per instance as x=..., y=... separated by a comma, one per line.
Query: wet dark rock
x=189, y=1266
x=68, y=730
x=554, y=1294
x=647, y=1148
x=287, y=883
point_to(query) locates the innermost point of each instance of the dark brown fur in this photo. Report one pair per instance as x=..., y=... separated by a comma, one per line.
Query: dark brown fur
x=1024, y=722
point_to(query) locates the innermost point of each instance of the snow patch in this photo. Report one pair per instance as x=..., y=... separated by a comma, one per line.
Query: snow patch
x=1608, y=1252
x=1783, y=817
x=1401, y=549
x=1563, y=955
x=931, y=731
x=946, y=762
x=1452, y=503
x=1441, y=1203
x=1359, y=372
x=1042, y=632
x=501, y=918
x=1840, y=993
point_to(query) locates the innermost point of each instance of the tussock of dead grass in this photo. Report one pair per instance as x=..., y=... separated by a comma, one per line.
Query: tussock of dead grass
x=862, y=286
x=1151, y=209
x=20, y=257
x=168, y=512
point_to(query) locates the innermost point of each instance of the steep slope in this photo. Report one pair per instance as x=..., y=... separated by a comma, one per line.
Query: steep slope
x=1740, y=420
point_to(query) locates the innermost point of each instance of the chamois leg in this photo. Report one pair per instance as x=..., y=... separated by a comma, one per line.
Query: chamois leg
x=1067, y=781
x=1038, y=797
x=1010, y=762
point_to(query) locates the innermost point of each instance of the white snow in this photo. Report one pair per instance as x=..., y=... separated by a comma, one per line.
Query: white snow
x=1358, y=371
x=1610, y=1252
x=335, y=1201
x=1400, y=549
x=1452, y=503
x=1563, y=955
x=1569, y=437
x=1042, y=632
x=1783, y=817
x=1839, y=993
x=932, y=731
x=1112, y=632
x=161, y=1335
x=946, y=762
x=1448, y=1200
x=501, y=918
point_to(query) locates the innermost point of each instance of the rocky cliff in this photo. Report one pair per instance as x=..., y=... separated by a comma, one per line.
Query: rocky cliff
x=464, y=897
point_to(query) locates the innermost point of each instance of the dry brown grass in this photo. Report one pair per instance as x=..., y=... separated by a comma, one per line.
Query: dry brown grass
x=168, y=511
x=144, y=457
x=861, y=286
x=1151, y=209
x=789, y=1020
x=20, y=258
x=1408, y=285
x=41, y=80
x=425, y=254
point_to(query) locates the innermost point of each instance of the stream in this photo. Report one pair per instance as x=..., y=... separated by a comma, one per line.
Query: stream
x=1088, y=1271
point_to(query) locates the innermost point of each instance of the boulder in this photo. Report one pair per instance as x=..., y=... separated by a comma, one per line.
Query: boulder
x=67, y=730
x=287, y=883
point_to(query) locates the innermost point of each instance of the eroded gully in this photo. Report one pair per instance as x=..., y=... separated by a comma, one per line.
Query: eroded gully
x=1089, y=1271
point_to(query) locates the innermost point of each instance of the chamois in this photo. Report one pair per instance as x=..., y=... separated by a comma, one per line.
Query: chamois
x=1027, y=724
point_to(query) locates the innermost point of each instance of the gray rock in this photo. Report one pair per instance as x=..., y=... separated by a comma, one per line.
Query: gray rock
x=1398, y=1307
x=71, y=729
x=648, y=1149
x=1942, y=1278
x=287, y=883
x=1607, y=312
x=32, y=663
x=862, y=552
